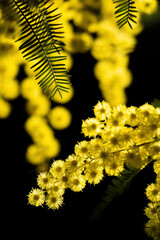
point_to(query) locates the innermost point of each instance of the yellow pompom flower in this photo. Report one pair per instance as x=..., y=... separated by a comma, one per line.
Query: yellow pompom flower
x=38, y=129
x=74, y=163
x=147, y=6
x=93, y=173
x=29, y=88
x=56, y=188
x=34, y=155
x=114, y=167
x=65, y=179
x=82, y=149
x=102, y=110
x=10, y=88
x=146, y=112
x=36, y=197
x=60, y=117
x=104, y=154
x=152, y=229
x=96, y=144
x=77, y=182
x=114, y=139
x=91, y=127
x=151, y=210
x=57, y=168
x=5, y=108
x=126, y=137
x=10, y=72
x=118, y=117
x=44, y=180
x=101, y=48
x=115, y=123
x=131, y=116
x=153, y=192
x=54, y=201
x=38, y=105
x=120, y=111
x=50, y=146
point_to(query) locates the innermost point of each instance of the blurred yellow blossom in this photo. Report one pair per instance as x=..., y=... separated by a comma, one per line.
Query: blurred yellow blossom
x=29, y=88
x=147, y=6
x=5, y=108
x=34, y=154
x=10, y=88
x=60, y=117
x=38, y=106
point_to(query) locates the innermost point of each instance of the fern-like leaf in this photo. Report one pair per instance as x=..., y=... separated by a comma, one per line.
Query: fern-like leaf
x=117, y=187
x=41, y=38
x=125, y=11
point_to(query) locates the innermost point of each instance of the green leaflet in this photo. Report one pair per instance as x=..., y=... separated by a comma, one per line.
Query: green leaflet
x=125, y=11
x=156, y=103
x=41, y=45
x=117, y=187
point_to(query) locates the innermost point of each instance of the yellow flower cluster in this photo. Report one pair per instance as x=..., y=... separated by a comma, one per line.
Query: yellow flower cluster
x=117, y=137
x=9, y=86
x=91, y=26
x=152, y=211
x=43, y=117
x=41, y=121
x=10, y=60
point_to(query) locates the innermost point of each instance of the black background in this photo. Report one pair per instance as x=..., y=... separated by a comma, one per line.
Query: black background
x=124, y=219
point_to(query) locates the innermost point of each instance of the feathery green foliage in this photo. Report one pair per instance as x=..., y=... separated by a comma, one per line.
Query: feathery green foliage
x=125, y=12
x=41, y=38
x=117, y=187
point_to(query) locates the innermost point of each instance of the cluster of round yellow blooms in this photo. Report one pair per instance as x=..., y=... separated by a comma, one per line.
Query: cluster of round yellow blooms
x=42, y=116
x=10, y=62
x=42, y=120
x=116, y=137
x=91, y=26
x=152, y=211
x=45, y=145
